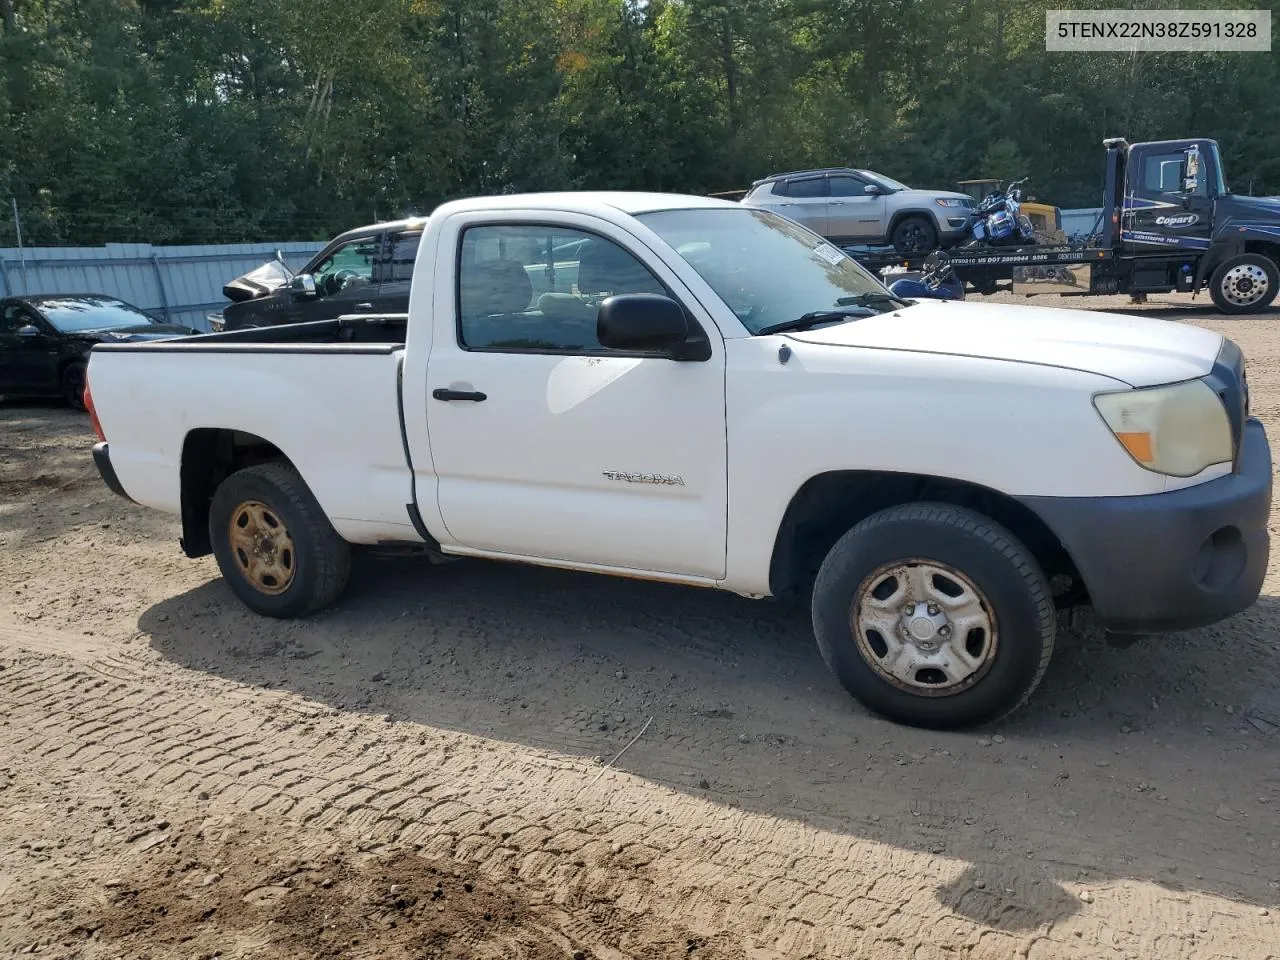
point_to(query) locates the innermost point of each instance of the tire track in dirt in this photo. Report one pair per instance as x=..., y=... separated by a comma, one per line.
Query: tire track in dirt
x=657, y=858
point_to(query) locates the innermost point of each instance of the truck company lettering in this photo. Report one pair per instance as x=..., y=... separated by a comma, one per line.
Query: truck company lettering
x=1181, y=220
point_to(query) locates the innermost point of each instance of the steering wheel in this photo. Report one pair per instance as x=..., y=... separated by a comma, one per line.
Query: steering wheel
x=342, y=278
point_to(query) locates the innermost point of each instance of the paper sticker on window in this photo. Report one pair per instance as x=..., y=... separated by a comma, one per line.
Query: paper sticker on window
x=828, y=253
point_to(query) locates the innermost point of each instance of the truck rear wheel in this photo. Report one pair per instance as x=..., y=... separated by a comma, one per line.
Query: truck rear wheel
x=1244, y=284
x=933, y=615
x=274, y=545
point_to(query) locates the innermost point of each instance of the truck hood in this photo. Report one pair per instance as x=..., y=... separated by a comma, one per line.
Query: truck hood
x=258, y=282
x=939, y=195
x=1268, y=207
x=1135, y=350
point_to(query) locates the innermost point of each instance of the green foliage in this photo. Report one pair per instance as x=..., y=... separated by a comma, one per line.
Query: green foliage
x=194, y=121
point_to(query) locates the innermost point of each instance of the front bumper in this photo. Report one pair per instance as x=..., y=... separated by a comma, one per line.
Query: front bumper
x=102, y=460
x=1172, y=561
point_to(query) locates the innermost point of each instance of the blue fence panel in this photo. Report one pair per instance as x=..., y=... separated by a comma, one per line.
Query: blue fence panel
x=182, y=284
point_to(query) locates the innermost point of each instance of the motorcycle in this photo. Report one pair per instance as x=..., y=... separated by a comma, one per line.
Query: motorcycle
x=938, y=281
x=998, y=220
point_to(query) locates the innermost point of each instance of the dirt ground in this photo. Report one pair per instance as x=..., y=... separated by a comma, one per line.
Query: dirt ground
x=418, y=772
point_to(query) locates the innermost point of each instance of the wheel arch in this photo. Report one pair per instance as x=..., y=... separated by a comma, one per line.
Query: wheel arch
x=1266, y=247
x=898, y=216
x=210, y=455
x=829, y=504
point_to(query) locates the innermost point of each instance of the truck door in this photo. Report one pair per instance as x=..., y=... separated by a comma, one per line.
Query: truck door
x=853, y=213
x=1167, y=206
x=345, y=282
x=804, y=200
x=543, y=443
x=27, y=363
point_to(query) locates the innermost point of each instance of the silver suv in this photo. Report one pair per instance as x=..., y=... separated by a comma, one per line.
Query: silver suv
x=856, y=207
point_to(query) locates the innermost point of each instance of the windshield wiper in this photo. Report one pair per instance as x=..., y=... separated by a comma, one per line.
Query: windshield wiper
x=814, y=317
x=863, y=299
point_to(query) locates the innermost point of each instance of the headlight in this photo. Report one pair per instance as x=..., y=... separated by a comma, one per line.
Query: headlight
x=948, y=202
x=1176, y=430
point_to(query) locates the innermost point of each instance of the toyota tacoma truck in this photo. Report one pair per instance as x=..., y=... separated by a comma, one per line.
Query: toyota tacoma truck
x=688, y=390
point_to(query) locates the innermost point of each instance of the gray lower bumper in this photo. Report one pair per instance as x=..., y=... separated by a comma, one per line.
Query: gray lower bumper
x=1172, y=561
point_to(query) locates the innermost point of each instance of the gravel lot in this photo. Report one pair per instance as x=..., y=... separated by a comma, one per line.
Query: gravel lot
x=417, y=772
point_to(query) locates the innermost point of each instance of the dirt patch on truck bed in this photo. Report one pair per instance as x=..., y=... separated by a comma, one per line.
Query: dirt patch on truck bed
x=181, y=779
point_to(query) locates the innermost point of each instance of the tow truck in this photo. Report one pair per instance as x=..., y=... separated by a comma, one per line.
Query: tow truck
x=1169, y=224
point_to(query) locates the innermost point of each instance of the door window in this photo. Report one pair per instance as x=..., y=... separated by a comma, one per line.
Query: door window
x=10, y=321
x=404, y=250
x=539, y=288
x=847, y=187
x=14, y=317
x=1164, y=173
x=813, y=187
x=349, y=266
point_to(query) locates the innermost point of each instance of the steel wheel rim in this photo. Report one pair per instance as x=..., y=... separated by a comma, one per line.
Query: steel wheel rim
x=924, y=627
x=262, y=547
x=1245, y=284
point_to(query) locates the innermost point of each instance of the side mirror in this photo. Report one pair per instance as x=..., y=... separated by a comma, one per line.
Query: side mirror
x=303, y=285
x=1191, y=183
x=29, y=330
x=642, y=322
x=871, y=188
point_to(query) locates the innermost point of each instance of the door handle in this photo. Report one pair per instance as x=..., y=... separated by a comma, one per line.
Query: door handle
x=443, y=393
x=364, y=306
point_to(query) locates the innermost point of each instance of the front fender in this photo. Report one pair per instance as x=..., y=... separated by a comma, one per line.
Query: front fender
x=1016, y=428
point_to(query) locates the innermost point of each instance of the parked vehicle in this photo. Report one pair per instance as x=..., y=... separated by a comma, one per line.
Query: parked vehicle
x=850, y=206
x=707, y=394
x=365, y=270
x=45, y=340
x=1170, y=224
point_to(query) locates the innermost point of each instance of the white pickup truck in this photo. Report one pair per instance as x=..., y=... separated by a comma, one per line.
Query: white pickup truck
x=684, y=389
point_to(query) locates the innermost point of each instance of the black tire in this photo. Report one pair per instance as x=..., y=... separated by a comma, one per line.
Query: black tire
x=73, y=383
x=914, y=236
x=1008, y=581
x=1234, y=284
x=316, y=573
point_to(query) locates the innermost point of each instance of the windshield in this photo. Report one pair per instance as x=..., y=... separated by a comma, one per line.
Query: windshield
x=765, y=268
x=71, y=314
x=889, y=182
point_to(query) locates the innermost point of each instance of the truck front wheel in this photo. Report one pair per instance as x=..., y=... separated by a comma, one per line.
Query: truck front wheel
x=933, y=615
x=914, y=237
x=274, y=545
x=1244, y=284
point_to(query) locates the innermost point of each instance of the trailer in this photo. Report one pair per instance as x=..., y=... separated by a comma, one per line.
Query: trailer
x=1169, y=224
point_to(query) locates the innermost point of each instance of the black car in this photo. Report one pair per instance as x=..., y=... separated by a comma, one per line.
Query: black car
x=45, y=340
x=366, y=270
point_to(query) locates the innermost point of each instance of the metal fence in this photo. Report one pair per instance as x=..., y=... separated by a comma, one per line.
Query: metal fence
x=181, y=284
